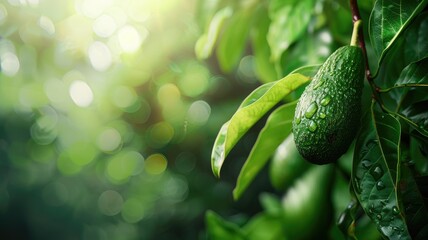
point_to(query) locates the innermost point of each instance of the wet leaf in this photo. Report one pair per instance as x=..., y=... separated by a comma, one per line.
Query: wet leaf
x=251, y=110
x=388, y=20
x=374, y=173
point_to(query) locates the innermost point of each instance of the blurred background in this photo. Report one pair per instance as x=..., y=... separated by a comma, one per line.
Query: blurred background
x=107, y=121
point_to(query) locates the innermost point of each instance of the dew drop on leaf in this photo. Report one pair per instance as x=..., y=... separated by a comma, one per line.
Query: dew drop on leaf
x=380, y=185
x=311, y=110
x=395, y=210
x=377, y=173
x=366, y=164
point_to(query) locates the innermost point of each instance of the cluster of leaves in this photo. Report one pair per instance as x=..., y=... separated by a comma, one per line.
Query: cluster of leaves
x=388, y=165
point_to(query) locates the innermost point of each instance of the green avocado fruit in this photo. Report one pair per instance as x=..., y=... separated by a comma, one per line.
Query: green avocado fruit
x=287, y=165
x=328, y=113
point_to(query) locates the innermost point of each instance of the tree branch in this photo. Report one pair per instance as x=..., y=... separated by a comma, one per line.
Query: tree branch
x=355, y=17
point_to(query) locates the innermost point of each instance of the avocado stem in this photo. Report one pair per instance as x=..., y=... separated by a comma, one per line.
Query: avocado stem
x=354, y=38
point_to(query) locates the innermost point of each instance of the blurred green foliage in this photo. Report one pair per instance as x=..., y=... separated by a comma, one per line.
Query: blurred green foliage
x=107, y=119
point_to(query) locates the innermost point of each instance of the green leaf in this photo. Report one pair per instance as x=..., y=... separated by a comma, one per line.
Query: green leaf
x=290, y=19
x=233, y=40
x=271, y=204
x=220, y=229
x=346, y=221
x=415, y=203
x=205, y=44
x=266, y=227
x=277, y=128
x=416, y=41
x=251, y=110
x=264, y=67
x=412, y=104
x=388, y=20
x=374, y=173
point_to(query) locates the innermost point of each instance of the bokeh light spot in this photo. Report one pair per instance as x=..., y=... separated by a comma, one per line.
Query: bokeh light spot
x=3, y=13
x=104, y=26
x=44, y=131
x=133, y=210
x=199, y=112
x=195, y=80
x=110, y=203
x=66, y=166
x=9, y=64
x=123, y=96
x=82, y=153
x=160, y=134
x=93, y=8
x=100, y=56
x=81, y=93
x=168, y=94
x=123, y=165
x=46, y=24
x=109, y=140
x=129, y=38
x=155, y=164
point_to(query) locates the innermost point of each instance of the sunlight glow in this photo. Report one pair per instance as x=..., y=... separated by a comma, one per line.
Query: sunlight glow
x=129, y=38
x=81, y=93
x=104, y=26
x=100, y=56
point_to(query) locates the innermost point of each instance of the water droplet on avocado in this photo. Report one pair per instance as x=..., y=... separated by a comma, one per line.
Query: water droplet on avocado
x=380, y=185
x=311, y=110
x=379, y=216
x=322, y=115
x=312, y=126
x=326, y=90
x=326, y=100
x=318, y=84
x=377, y=173
x=298, y=120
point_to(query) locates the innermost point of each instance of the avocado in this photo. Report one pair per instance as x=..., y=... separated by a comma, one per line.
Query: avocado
x=327, y=115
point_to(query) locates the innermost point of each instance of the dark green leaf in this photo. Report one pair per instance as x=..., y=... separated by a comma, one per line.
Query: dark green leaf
x=290, y=19
x=374, y=173
x=264, y=67
x=416, y=40
x=277, y=128
x=220, y=229
x=206, y=42
x=415, y=205
x=251, y=110
x=388, y=20
x=233, y=40
x=412, y=104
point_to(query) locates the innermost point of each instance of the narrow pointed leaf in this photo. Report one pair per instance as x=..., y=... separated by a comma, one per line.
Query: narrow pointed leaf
x=277, y=128
x=374, y=173
x=388, y=20
x=251, y=110
x=233, y=40
x=205, y=44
